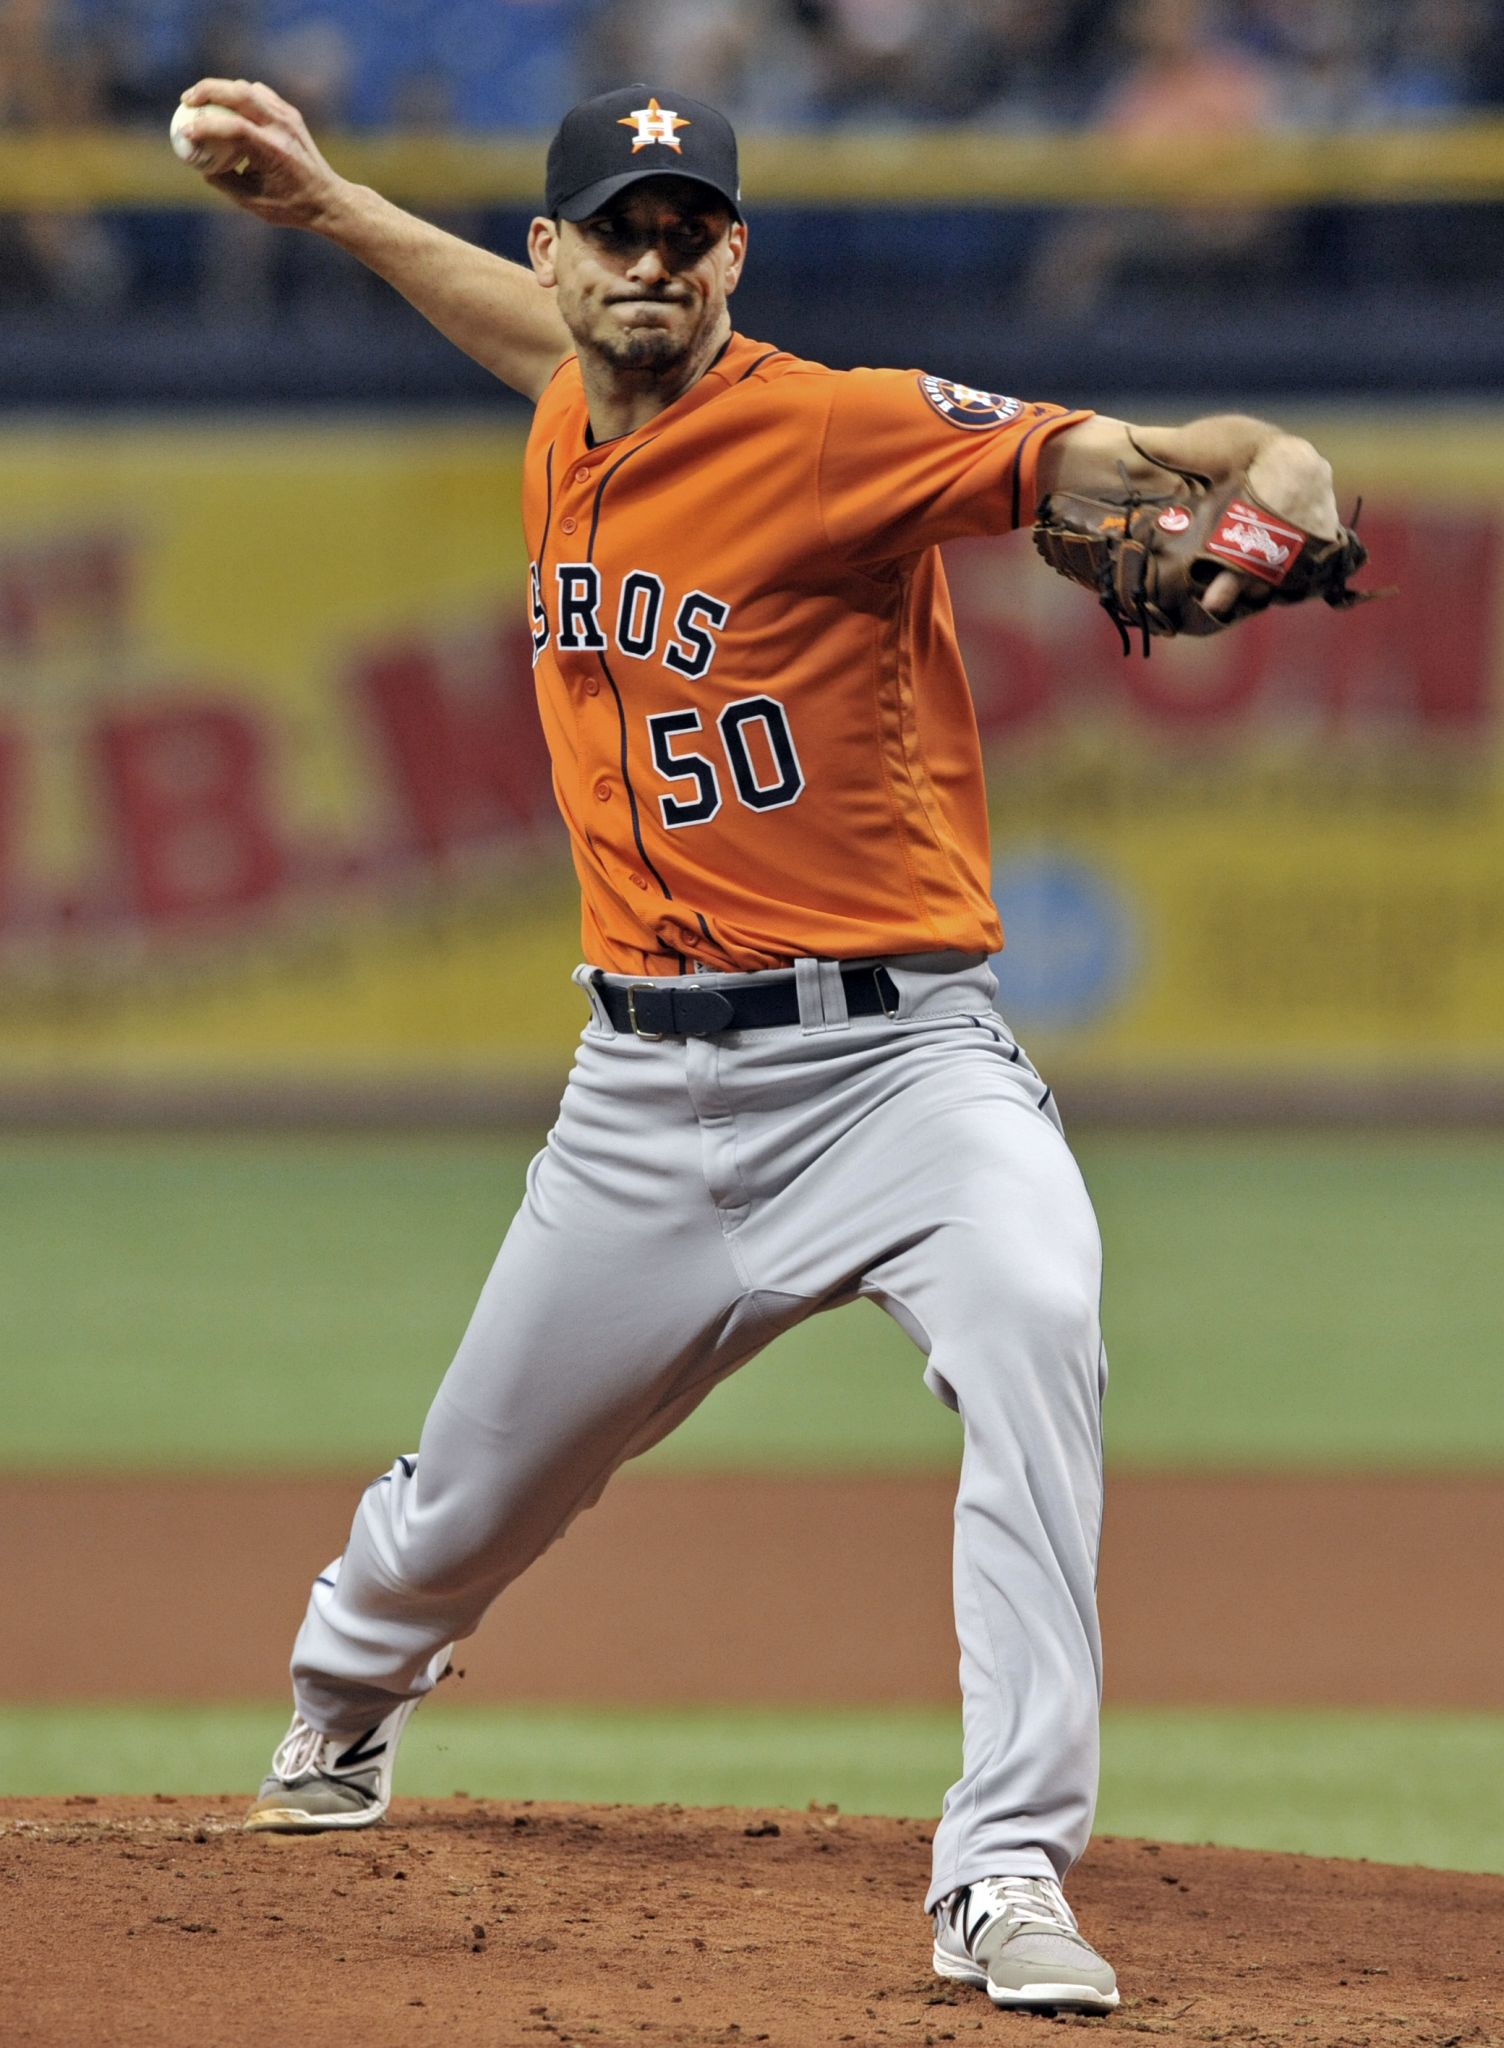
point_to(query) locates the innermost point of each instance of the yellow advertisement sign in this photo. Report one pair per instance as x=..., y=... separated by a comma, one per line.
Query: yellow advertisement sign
x=274, y=801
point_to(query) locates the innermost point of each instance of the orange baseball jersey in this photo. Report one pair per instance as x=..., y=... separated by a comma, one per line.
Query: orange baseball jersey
x=762, y=737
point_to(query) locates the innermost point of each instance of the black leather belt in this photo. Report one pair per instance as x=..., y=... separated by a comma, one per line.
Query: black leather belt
x=651, y=1009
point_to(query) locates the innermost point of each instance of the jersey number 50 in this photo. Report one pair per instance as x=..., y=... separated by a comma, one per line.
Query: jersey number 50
x=764, y=781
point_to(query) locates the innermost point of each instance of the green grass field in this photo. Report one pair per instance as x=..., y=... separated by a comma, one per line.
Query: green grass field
x=1396, y=1788
x=1270, y=1300
x=1280, y=1300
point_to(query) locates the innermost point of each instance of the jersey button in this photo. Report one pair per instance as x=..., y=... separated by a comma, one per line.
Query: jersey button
x=639, y=881
x=592, y=686
x=603, y=792
x=568, y=525
x=582, y=476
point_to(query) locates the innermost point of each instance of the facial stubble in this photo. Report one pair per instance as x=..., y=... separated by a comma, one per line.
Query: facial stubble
x=651, y=349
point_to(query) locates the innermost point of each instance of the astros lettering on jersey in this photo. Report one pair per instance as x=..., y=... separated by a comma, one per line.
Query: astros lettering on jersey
x=762, y=737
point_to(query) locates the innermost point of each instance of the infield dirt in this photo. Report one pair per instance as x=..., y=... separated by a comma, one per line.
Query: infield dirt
x=469, y=1922
x=1316, y=1589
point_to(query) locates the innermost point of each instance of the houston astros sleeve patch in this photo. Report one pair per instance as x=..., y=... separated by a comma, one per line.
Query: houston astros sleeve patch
x=964, y=407
x=893, y=478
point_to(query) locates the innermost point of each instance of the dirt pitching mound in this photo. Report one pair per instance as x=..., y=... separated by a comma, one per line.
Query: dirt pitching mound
x=469, y=1922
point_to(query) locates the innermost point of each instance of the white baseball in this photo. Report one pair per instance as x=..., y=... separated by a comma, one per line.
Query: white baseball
x=205, y=155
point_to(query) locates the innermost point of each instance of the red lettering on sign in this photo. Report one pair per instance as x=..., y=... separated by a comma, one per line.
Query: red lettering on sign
x=1012, y=683
x=1425, y=657
x=460, y=739
x=188, y=791
x=1219, y=688
x=10, y=810
x=79, y=584
x=1423, y=662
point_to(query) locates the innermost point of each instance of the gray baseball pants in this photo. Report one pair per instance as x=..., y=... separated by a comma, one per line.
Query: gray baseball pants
x=695, y=1198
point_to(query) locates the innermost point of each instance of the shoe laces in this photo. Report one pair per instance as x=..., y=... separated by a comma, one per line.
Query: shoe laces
x=298, y=1751
x=1038, y=1900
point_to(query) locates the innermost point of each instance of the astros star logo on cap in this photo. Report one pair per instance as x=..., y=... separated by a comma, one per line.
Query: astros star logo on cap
x=654, y=124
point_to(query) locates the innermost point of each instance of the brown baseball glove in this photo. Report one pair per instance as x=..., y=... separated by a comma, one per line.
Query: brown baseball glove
x=1150, y=560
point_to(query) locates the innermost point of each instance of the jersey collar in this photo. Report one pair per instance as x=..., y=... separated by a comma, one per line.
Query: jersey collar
x=729, y=367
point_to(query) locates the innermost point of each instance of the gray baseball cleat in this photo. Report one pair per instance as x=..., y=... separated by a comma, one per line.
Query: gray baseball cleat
x=1018, y=1938
x=320, y=1781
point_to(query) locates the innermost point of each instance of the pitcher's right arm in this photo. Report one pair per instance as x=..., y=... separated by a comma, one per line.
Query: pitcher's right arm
x=494, y=310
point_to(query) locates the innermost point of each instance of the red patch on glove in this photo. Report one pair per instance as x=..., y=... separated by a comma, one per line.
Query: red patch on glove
x=1253, y=540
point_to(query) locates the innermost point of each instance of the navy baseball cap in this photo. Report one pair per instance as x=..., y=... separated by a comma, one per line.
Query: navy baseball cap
x=608, y=143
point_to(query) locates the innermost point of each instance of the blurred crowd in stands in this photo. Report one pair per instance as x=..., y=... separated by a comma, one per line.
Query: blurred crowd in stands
x=1124, y=66
x=781, y=63
x=1050, y=62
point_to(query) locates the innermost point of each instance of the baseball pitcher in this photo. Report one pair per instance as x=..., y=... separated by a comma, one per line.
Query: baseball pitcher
x=792, y=1089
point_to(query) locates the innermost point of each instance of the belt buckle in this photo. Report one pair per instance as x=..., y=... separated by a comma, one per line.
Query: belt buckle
x=649, y=1037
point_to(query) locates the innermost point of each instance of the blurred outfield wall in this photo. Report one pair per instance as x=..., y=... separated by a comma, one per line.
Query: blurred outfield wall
x=275, y=822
